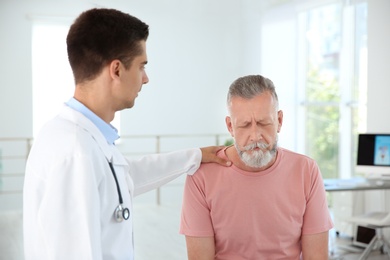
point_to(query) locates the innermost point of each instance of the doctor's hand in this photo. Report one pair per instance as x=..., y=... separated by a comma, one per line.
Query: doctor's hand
x=209, y=154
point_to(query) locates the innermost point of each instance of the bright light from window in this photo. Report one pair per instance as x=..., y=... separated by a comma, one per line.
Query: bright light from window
x=53, y=82
x=52, y=78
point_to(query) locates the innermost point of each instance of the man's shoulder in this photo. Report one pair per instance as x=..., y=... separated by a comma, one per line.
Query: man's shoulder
x=212, y=170
x=213, y=166
x=289, y=154
x=293, y=160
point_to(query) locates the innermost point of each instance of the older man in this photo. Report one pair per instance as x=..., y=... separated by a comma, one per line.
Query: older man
x=270, y=204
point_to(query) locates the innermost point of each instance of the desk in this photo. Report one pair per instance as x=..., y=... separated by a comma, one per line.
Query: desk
x=356, y=184
x=346, y=204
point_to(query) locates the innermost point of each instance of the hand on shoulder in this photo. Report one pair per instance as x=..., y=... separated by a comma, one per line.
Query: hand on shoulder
x=209, y=154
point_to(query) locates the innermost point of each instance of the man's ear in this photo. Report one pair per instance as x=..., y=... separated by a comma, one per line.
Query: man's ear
x=228, y=121
x=115, y=67
x=280, y=120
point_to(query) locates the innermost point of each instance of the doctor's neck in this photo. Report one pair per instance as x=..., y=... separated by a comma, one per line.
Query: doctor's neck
x=95, y=100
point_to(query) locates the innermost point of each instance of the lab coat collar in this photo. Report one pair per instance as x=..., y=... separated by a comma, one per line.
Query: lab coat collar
x=109, y=150
x=109, y=131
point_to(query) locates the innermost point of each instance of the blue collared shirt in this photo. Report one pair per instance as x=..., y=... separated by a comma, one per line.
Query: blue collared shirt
x=109, y=132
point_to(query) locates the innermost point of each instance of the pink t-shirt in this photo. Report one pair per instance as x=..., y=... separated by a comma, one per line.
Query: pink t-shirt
x=256, y=215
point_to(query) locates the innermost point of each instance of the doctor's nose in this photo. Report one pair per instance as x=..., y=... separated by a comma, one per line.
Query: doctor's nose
x=145, y=78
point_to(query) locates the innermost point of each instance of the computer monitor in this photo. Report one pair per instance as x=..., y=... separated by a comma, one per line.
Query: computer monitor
x=363, y=236
x=373, y=155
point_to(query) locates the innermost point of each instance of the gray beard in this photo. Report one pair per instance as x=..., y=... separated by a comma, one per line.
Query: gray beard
x=259, y=158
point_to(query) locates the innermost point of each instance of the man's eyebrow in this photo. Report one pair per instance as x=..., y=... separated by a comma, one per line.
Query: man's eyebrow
x=260, y=121
x=244, y=122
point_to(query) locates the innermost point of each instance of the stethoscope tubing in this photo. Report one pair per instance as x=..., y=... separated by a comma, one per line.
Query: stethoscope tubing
x=117, y=184
x=120, y=212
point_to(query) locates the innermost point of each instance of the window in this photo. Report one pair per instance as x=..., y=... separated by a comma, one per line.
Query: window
x=53, y=82
x=333, y=96
x=52, y=77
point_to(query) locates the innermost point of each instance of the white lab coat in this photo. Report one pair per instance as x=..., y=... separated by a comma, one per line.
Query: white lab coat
x=70, y=193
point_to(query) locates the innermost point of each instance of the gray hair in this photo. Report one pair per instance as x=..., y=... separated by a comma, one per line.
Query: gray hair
x=248, y=87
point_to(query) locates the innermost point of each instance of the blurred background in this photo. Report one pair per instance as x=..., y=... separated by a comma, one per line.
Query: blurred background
x=329, y=61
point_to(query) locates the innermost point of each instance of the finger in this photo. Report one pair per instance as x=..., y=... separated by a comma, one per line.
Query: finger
x=220, y=147
x=223, y=162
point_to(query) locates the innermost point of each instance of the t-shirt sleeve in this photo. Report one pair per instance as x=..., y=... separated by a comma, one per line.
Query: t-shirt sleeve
x=195, y=214
x=317, y=217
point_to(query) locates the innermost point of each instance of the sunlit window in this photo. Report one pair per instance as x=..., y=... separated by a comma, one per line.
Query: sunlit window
x=53, y=82
x=335, y=85
x=52, y=77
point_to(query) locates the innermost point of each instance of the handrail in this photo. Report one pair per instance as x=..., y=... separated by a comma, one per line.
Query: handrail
x=21, y=153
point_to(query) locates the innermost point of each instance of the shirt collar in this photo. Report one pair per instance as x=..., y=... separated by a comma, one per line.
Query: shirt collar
x=109, y=132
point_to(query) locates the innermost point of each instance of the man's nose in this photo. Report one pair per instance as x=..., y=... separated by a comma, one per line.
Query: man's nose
x=256, y=133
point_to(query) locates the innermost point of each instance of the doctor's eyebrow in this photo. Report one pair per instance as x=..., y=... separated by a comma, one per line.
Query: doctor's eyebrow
x=143, y=64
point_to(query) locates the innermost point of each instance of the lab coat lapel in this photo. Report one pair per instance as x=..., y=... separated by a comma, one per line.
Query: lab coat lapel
x=111, y=152
x=83, y=122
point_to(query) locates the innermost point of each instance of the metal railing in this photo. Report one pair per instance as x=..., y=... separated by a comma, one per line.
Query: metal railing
x=14, y=153
x=13, y=156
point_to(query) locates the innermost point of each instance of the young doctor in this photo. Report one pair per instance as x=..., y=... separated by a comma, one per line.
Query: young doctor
x=78, y=187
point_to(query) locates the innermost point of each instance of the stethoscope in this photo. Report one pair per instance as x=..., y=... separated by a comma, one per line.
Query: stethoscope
x=120, y=213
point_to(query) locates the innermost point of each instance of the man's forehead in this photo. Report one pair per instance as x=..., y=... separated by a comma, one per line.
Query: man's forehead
x=259, y=102
x=249, y=117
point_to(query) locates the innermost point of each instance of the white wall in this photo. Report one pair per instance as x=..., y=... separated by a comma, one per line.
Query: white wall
x=378, y=66
x=196, y=49
x=378, y=105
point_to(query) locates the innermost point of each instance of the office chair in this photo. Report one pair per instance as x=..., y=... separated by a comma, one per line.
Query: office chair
x=379, y=221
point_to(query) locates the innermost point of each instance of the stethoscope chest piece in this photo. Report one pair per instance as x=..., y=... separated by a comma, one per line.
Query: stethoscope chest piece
x=121, y=213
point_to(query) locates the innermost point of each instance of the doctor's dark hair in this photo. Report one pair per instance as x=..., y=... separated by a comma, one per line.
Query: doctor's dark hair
x=99, y=36
x=248, y=87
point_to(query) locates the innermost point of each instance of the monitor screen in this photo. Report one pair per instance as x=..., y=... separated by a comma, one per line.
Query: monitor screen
x=363, y=236
x=374, y=149
x=373, y=155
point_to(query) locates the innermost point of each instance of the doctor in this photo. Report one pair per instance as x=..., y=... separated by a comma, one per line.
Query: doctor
x=78, y=187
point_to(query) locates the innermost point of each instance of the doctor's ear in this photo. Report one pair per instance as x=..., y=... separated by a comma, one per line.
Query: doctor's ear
x=115, y=67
